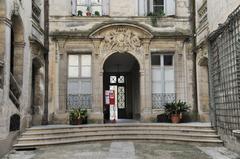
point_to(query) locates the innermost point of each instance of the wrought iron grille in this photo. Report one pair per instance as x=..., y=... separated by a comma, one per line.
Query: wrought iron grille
x=79, y=101
x=224, y=62
x=159, y=99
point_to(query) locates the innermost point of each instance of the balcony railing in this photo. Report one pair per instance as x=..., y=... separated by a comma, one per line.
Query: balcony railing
x=15, y=91
x=202, y=12
x=36, y=12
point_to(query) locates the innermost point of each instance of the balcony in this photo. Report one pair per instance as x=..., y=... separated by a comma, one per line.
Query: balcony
x=36, y=12
x=15, y=91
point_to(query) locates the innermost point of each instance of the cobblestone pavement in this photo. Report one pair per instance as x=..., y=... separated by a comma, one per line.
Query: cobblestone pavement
x=125, y=150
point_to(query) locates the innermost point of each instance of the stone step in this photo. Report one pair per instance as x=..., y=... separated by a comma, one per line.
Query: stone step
x=129, y=125
x=113, y=133
x=87, y=130
x=119, y=137
x=66, y=134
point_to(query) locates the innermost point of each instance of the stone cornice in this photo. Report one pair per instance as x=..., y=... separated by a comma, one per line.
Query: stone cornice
x=85, y=35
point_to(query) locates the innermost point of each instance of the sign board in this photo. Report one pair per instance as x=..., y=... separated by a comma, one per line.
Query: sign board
x=112, y=97
x=107, y=99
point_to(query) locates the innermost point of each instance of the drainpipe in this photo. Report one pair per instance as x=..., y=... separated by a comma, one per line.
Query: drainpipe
x=194, y=50
x=46, y=45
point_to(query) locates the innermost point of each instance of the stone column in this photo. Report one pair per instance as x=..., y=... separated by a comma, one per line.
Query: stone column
x=97, y=84
x=180, y=71
x=145, y=83
x=62, y=77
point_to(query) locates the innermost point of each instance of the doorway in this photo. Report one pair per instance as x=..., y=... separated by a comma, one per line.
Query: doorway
x=121, y=74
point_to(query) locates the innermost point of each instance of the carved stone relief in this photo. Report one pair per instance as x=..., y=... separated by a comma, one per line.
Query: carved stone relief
x=121, y=40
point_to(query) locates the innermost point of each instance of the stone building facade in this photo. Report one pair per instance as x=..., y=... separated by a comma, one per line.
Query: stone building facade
x=146, y=59
x=22, y=70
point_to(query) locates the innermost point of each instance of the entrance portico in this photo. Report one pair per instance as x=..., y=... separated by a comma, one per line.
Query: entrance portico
x=123, y=50
x=121, y=74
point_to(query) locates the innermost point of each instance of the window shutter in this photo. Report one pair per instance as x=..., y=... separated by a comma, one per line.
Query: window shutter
x=170, y=7
x=141, y=7
x=105, y=7
x=74, y=7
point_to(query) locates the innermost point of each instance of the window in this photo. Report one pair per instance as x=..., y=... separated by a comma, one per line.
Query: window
x=163, y=83
x=158, y=6
x=93, y=6
x=79, y=81
x=161, y=7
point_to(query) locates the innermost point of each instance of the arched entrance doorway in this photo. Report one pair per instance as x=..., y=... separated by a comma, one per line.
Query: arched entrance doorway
x=121, y=74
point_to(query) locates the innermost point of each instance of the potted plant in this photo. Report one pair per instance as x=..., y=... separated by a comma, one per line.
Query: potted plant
x=78, y=116
x=88, y=13
x=155, y=16
x=84, y=116
x=175, y=109
x=96, y=13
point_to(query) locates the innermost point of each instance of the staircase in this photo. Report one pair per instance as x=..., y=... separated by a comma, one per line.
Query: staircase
x=66, y=134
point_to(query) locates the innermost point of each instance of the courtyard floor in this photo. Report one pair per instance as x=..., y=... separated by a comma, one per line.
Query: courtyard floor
x=125, y=150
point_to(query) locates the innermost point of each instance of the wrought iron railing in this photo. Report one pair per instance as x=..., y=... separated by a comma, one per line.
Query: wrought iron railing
x=79, y=101
x=36, y=12
x=159, y=99
x=224, y=65
x=15, y=91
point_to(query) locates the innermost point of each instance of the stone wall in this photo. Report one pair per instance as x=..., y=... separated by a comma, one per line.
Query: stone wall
x=218, y=15
x=16, y=16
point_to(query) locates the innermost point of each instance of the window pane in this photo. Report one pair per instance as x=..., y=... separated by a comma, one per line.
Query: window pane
x=86, y=60
x=169, y=74
x=156, y=74
x=113, y=79
x=158, y=9
x=73, y=71
x=168, y=60
x=86, y=71
x=73, y=87
x=157, y=87
x=97, y=8
x=82, y=2
x=156, y=60
x=169, y=87
x=73, y=60
x=85, y=87
x=158, y=2
x=121, y=79
x=82, y=8
x=96, y=2
x=121, y=97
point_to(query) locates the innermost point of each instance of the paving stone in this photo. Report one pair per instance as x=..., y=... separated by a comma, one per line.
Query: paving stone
x=125, y=150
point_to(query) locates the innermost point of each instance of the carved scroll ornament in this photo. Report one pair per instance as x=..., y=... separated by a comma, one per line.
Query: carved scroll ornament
x=122, y=40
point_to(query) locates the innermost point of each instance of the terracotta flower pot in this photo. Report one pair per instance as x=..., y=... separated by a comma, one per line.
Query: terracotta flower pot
x=88, y=13
x=175, y=118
